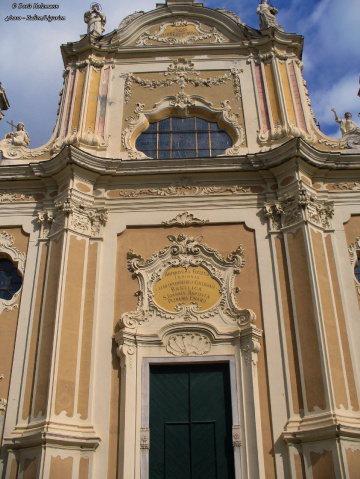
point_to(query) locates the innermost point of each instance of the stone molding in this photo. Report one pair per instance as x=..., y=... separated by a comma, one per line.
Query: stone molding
x=18, y=258
x=185, y=188
x=182, y=106
x=186, y=251
x=184, y=219
x=295, y=208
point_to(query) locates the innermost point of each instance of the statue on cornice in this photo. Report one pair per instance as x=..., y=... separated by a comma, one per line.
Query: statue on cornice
x=267, y=14
x=15, y=144
x=95, y=20
x=347, y=125
x=349, y=129
x=18, y=137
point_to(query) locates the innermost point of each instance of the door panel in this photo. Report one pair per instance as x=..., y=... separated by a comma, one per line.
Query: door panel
x=190, y=422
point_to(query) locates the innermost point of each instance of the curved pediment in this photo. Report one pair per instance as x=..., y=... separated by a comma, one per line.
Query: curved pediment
x=183, y=25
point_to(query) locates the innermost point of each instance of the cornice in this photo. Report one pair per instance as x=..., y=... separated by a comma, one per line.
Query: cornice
x=71, y=155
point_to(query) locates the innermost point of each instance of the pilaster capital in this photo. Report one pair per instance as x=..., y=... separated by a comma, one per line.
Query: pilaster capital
x=301, y=206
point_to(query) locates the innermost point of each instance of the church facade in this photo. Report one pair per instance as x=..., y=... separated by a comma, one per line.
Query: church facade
x=179, y=286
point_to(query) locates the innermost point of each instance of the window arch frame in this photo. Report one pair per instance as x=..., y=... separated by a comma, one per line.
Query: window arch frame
x=183, y=106
x=7, y=251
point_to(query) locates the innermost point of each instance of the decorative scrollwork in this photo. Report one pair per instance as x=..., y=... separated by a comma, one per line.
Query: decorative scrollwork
x=184, y=219
x=181, y=32
x=208, y=270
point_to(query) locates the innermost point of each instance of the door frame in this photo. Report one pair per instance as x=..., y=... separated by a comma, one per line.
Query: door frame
x=145, y=404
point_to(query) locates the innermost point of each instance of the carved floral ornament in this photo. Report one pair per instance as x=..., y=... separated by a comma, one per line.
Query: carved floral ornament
x=183, y=106
x=302, y=206
x=188, y=282
x=181, y=32
x=185, y=187
x=73, y=215
x=18, y=258
x=182, y=73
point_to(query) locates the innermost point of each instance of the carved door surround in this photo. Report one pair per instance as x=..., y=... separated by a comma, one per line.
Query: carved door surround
x=187, y=312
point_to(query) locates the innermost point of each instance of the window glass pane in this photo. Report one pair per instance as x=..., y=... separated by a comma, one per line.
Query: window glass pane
x=164, y=125
x=164, y=142
x=201, y=124
x=357, y=272
x=6, y=265
x=164, y=154
x=152, y=127
x=220, y=140
x=5, y=294
x=4, y=279
x=181, y=124
x=146, y=142
x=183, y=141
x=217, y=152
x=150, y=153
x=203, y=153
x=214, y=126
x=203, y=141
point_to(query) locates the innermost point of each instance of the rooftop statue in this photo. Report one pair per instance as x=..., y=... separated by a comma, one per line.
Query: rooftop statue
x=267, y=14
x=18, y=137
x=15, y=144
x=95, y=20
x=347, y=125
x=349, y=129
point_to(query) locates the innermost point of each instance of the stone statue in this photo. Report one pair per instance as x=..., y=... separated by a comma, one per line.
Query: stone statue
x=349, y=130
x=18, y=137
x=95, y=20
x=347, y=125
x=267, y=14
x=15, y=144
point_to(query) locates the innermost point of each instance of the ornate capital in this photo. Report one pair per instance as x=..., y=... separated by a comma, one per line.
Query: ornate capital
x=72, y=215
x=250, y=344
x=301, y=206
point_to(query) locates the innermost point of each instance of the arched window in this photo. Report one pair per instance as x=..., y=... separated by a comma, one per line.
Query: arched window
x=10, y=280
x=175, y=137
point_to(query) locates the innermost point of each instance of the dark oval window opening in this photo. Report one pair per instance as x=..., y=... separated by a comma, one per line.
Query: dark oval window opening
x=357, y=271
x=10, y=280
x=183, y=138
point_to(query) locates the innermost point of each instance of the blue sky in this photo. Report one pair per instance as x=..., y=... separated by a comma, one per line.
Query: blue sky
x=31, y=63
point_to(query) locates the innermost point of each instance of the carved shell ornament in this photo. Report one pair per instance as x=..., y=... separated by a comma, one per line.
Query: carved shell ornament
x=187, y=281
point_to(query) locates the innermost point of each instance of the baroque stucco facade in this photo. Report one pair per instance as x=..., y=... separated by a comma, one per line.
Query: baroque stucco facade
x=94, y=226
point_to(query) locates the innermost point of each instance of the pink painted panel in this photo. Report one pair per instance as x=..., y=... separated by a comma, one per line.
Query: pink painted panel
x=262, y=99
x=70, y=99
x=296, y=93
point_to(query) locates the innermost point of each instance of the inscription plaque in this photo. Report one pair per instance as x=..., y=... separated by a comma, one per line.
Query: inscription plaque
x=180, y=32
x=192, y=285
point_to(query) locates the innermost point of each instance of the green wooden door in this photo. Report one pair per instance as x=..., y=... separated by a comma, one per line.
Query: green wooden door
x=190, y=422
